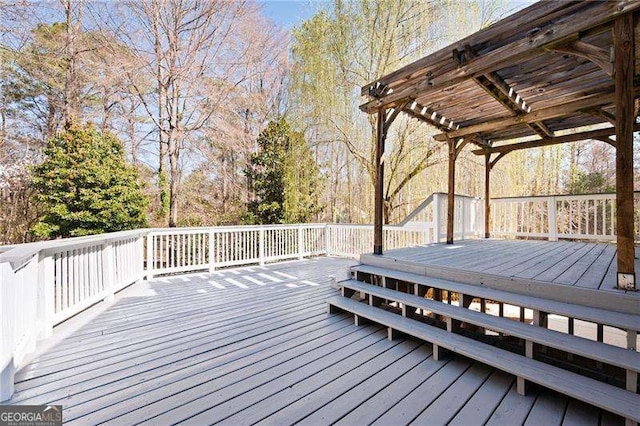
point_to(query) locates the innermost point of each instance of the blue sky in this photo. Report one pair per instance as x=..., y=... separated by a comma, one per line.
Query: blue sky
x=290, y=13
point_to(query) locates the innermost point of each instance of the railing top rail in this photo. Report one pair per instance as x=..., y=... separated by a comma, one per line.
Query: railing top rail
x=20, y=253
x=563, y=196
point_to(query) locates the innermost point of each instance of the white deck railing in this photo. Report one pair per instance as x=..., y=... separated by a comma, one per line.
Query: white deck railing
x=589, y=217
x=468, y=218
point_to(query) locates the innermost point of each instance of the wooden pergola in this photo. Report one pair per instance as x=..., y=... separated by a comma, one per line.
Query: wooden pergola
x=544, y=73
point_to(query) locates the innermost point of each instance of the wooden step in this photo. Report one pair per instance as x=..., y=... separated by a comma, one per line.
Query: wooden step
x=602, y=395
x=601, y=316
x=627, y=359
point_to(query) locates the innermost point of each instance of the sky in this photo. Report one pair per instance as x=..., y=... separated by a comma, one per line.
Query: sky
x=290, y=13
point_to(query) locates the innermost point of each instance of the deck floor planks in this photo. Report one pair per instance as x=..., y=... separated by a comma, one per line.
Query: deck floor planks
x=390, y=395
x=514, y=408
x=548, y=410
x=580, y=414
x=484, y=402
x=593, y=276
x=417, y=400
x=455, y=397
x=577, y=270
x=556, y=264
x=506, y=258
x=168, y=339
x=467, y=252
x=129, y=399
x=148, y=359
x=528, y=261
x=211, y=394
x=291, y=338
x=332, y=402
x=442, y=253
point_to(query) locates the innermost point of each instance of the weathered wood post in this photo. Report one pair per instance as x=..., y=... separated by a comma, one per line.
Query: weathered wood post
x=487, y=206
x=624, y=47
x=451, y=189
x=379, y=182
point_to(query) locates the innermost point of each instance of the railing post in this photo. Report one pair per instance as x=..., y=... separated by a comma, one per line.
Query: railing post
x=140, y=251
x=212, y=255
x=552, y=217
x=261, y=246
x=45, y=302
x=327, y=239
x=463, y=216
x=300, y=242
x=436, y=217
x=108, y=270
x=150, y=259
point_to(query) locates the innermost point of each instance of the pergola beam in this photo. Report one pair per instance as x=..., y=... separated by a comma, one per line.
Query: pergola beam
x=587, y=102
x=601, y=134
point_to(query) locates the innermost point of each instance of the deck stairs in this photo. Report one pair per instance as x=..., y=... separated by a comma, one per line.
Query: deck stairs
x=597, y=373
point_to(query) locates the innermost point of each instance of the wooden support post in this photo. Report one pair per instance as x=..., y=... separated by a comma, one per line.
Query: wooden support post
x=487, y=207
x=379, y=184
x=541, y=319
x=632, y=376
x=451, y=189
x=521, y=383
x=624, y=46
x=392, y=334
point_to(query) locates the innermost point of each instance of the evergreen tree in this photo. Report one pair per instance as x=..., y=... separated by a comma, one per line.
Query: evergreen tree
x=284, y=177
x=87, y=186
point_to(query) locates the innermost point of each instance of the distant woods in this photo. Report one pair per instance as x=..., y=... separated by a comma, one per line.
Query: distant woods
x=223, y=117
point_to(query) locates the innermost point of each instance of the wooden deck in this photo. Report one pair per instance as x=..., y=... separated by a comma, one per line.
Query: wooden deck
x=250, y=345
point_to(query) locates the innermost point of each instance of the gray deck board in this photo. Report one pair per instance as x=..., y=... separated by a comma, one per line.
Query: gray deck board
x=179, y=349
x=593, y=276
x=455, y=397
x=523, y=259
x=389, y=396
x=308, y=402
x=580, y=414
x=485, y=401
x=548, y=410
x=533, y=260
x=514, y=408
x=415, y=402
x=556, y=271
